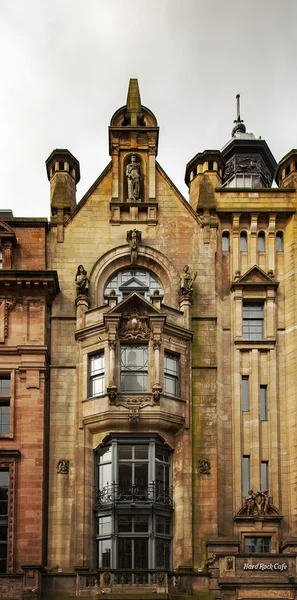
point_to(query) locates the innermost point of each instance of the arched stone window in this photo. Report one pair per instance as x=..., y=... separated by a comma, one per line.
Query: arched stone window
x=225, y=241
x=131, y=280
x=243, y=242
x=279, y=240
x=261, y=241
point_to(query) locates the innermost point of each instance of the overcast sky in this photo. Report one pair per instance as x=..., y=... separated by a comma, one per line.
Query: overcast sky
x=65, y=69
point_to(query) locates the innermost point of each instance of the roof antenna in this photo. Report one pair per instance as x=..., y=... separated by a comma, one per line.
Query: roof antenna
x=239, y=125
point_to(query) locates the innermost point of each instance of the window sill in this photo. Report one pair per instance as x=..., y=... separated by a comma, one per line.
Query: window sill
x=7, y=436
x=250, y=344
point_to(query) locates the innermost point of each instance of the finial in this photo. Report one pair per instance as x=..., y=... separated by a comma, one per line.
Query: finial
x=133, y=101
x=239, y=122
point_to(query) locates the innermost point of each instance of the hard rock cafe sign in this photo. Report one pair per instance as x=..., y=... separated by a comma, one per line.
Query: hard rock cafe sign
x=272, y=566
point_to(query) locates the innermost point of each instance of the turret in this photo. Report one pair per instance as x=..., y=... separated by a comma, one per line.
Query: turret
x=203, y=174
x=286, y=174
x=249, y=162
x=63, y=173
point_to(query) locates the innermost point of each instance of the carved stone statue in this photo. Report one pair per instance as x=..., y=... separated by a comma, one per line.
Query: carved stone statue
x=186, y=281
x=250, y=502
x=134, y=238
x=257, y=504
x=82, y=282
x=133, y=178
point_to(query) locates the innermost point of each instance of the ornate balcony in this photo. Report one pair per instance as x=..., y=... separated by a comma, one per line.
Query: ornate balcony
x=114, y=493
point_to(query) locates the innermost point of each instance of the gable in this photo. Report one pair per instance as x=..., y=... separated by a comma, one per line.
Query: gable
x=255, y=277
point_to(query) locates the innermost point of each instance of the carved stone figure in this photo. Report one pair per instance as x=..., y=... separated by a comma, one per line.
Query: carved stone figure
x=211, y=559
x=250, y=502
x=186, y=281
x=63, y=466
x=133, y=178
x=258, y=504
x=204, y=466
x=134, y=239
x=82, y=282
x=230, y=563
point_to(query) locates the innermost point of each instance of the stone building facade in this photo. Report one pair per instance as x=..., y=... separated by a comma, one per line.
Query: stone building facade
x=147, y=374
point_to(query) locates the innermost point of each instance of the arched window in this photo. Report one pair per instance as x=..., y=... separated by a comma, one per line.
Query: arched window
x=225, y=241
x=243, y=241
x=261, y=241
x=279, y=239
x=130, y=280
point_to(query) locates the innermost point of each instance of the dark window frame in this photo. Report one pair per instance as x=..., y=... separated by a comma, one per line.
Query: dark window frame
x=253, y=320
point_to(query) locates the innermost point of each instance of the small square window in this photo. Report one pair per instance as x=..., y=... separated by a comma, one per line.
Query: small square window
x=96, y=374
x=171, y=374
x=257, y=545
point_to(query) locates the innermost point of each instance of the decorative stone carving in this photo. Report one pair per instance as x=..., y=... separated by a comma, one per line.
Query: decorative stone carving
x=258, y=504
x=186, y=282
x=112, y=393
x=211, y=559
x=230, y=563
x=135, y=327
x=82, y=282
x=6, y=306
x=204, y=466
x=248, y=165
x=134, y=239
x=63, y=466
x=133, y=179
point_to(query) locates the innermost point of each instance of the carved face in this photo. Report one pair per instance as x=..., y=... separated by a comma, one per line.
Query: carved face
x=134, y=323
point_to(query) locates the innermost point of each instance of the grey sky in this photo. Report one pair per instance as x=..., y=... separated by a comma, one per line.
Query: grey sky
x=66, y=64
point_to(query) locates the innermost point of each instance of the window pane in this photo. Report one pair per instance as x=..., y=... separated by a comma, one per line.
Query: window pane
x=261, y=242
x=125, y=553
x=5, y=386
x=104, y=475
x=264, y=475
x=125, y=474
x=163, y=524
x=105, y=455
x=279, y=242
x=243, y=242
x=263, y=403
x=125, y=452
x=162, y=454
x=141, y=474
x=141, y=524
x=134, y=367
x=140, y=452
x=245, y=394
x=104, y=525
x=257, y=544
x=96, y=365
x=124, y=523
x=225, y=242
x=253, y=321
x=171, y=374
x=140, y=553
x=104, y=553
x=162, y=553
x=245, y=475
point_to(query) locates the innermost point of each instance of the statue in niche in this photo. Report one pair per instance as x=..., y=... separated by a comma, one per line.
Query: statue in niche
x=186, y=281
x=82, y=282
x=133, y=178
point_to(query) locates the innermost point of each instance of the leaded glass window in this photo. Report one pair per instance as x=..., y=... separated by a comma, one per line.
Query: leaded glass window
x=127, y=281
x=134, y=368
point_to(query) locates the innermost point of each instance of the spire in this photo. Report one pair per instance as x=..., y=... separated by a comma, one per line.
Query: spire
x=133, y=102
x=239, y=124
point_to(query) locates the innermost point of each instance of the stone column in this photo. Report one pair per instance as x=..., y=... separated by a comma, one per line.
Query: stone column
x=185, y=305
x=157, y=389
x=112, y=388
x=115, y=171
x=82, y=305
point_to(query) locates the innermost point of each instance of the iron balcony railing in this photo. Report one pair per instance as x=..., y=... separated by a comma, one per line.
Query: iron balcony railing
x=114, y=493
